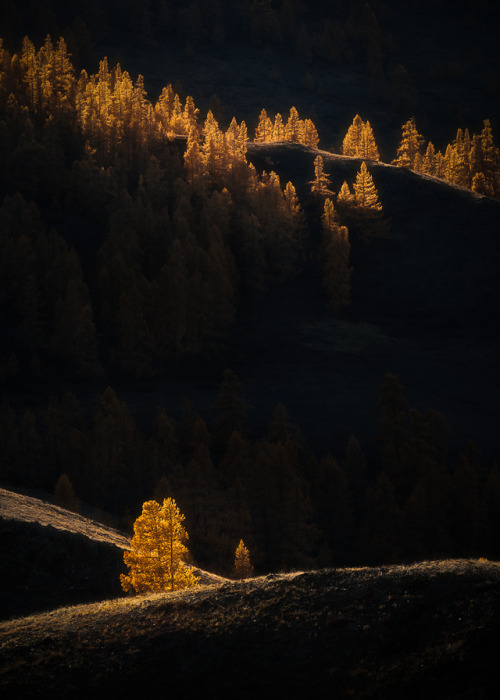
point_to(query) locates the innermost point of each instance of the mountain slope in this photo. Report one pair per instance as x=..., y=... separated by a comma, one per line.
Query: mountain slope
x=390, y=632
x=51, y=557
x=442, y=251
x=426, y=307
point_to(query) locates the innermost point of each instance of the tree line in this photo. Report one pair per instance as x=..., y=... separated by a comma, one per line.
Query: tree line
x=470, y=160
x=132, y=232
x=403, y=497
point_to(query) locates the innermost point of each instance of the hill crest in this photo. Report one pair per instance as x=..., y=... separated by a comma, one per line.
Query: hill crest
x=372, y=632
x=55, y=557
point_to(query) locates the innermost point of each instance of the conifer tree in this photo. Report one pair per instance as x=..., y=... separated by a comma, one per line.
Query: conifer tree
x=189, y=115
x=294, y=217
x=278, y=128
x=292, y=201
x=368, y=147
x=242, y=565
x=64, y=494
x=193, y=163
x=365, y=192
x=355, y=467
x=230, y=406
x=490, y=155
x=393, y=431
x=480, y=185
x=429, y=161
x=115, y=446
x=380, y=532
x=321, y=184
x=352, y=140
x=333, y=508
x=369, y=210
x=409, y=153
x=484, y=159
x=310, y=135
x=345, y=200
x=294, y=128
x=164, y=109
x=213, y=147
x=156, y=559
x=264, y=130
x=279, y=429
x=75, y=337
x=460, y=169
x=336, y=249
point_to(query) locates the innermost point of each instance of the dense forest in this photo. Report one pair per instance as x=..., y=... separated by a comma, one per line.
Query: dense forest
x=133, y=232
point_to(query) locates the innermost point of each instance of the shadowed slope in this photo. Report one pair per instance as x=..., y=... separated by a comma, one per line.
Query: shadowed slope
x=426, y=307
x=442, y=252
x=398, y=631
x=51, y=557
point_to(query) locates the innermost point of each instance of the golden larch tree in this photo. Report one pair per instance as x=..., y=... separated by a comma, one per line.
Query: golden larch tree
x=345, y=200
x=264, y=130
x=352, y=140
x=242, y=565
x=190, y=115
x=310, y=136
x=365, y=193
x=368, y=207
x=294, y=129
x=410, y=150
x=368, y=145
x=429, y=161
x=156, y=559
x=359, y=141
x=278, y=128
x=292, y=201
x=321, y=183
x=193, y=162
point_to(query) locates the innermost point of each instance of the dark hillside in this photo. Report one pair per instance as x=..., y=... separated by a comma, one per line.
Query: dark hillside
x=426, y=305
x=441, y=258
x=425, y=630
x=51, y=557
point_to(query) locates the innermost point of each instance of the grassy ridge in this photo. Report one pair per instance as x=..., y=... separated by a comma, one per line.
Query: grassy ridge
x=52, y=557
x=399, y=631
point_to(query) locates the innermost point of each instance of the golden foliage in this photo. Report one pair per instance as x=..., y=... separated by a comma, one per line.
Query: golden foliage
x=156, y=560
x=345, y=198
x=365, y=192
x=409, y=153
x=359, y=141
x=368, y=210
x=321, y=183
x=242, y=565
x=295, y=129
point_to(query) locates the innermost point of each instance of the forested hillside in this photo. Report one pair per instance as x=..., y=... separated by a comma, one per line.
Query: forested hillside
x=148, y=243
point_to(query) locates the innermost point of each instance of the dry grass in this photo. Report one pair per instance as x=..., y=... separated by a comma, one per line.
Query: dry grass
x=393, y=631
x=15, y=506
x=52, y=557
